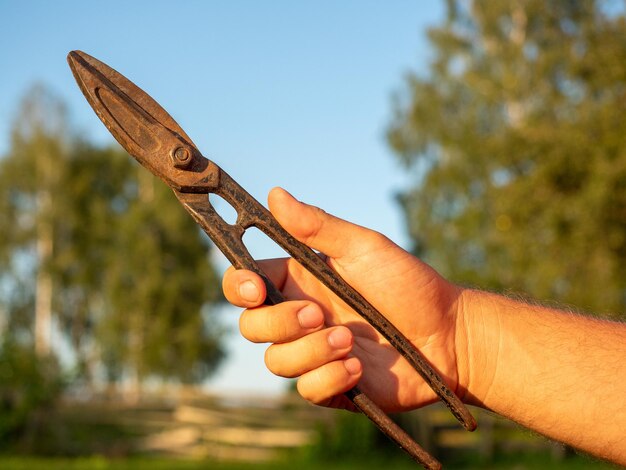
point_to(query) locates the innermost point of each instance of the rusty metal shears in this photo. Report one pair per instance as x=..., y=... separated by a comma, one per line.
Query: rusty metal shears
x=151, y=136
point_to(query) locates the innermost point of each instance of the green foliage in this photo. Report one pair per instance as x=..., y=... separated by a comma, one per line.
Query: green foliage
x=29, y=387
x=132, y=282
x=349, y=437
x=515, y=140
x=168, y=334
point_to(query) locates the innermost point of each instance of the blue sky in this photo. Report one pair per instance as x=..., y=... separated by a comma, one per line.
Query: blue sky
x=277, y=93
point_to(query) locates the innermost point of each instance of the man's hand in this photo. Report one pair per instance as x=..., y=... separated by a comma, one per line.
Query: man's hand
x=319, y=339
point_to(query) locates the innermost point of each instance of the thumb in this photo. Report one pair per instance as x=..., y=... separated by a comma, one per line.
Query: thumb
x=314, y=227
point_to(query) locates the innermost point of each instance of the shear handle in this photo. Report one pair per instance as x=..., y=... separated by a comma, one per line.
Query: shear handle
x=228, y=238
x=252, y=213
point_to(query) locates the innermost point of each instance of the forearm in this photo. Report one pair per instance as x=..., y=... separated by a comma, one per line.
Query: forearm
x=559, y=374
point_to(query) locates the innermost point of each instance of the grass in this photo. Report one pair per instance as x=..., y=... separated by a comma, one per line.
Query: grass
x=100, y=463
x=520, y=462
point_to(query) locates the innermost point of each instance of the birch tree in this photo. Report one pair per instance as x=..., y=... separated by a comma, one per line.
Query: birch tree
x=93, y=244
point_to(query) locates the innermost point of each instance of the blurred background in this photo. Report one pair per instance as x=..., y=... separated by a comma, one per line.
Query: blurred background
x=487, y=139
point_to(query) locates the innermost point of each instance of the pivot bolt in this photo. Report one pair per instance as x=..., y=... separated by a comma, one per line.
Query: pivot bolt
x=181, y=157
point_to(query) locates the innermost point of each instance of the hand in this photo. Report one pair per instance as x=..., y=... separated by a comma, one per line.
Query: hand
x=319, y=339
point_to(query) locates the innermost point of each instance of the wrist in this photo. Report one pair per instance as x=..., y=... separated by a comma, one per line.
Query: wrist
x=477, y=345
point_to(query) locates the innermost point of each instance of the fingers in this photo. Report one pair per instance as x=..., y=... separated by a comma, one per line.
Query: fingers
x=316, y=228
x=303, y=347
x=243, y=288
x=320, y=360
x=297, y=357
x=322, y=385
x=246, y=289
x=281, y=323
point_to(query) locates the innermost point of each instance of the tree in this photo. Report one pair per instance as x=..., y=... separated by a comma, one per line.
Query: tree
x=125, y=270
x=159, y=289
x=29, y=179
x=515, y=139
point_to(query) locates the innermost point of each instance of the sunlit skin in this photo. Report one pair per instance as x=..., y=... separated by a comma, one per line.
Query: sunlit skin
x=556, y=373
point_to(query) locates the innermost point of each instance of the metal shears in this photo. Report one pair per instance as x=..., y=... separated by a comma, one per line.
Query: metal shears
x=148, y=133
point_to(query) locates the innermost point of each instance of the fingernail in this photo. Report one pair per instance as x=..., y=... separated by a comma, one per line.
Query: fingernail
x=248, y=291
x=340, y=338
x=352, y=365
x=310, y=317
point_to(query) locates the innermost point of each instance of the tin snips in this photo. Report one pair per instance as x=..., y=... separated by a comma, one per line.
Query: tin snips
x=151, y=136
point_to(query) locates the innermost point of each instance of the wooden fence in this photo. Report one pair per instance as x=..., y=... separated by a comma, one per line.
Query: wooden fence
x=260, y=429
